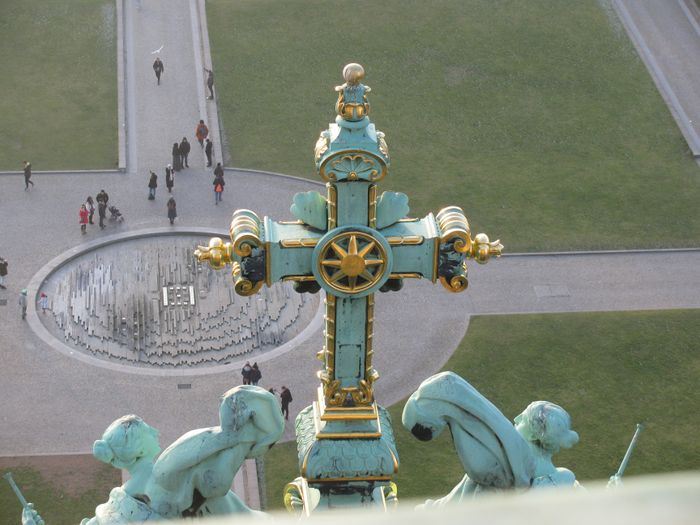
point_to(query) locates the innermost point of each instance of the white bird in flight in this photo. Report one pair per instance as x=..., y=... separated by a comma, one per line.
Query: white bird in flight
x=158, y=50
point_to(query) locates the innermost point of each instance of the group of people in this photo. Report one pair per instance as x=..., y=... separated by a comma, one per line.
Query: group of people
x=180, y=153
x=251, y=376
x=43, y=297
x=87, y=210
x=43, y=302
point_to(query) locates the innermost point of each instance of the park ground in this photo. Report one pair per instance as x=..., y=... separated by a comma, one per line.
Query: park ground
x=610, y=371
x=59, y=85
x=538, y=118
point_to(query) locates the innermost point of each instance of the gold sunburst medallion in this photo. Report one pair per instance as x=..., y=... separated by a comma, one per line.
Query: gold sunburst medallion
x=352, y=262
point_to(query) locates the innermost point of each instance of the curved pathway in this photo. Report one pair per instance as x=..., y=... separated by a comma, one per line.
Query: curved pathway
x=55, y=404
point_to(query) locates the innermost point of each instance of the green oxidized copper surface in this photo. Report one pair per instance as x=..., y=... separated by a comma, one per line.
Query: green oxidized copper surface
x=333, y=459
x=351, y=242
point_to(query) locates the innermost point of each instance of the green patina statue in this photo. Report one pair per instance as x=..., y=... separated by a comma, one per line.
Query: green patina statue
x=193, y=476
x=496, y=455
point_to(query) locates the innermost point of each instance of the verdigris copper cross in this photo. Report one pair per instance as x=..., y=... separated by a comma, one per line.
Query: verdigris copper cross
x=352, y=242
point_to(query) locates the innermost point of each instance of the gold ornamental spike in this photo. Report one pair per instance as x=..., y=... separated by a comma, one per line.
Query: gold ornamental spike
x=217, y=253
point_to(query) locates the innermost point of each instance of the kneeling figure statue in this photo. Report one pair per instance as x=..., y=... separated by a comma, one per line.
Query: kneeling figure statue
x=495, y=454
x=193, y=476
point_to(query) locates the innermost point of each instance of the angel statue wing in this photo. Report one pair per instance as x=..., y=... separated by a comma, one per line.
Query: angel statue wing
x=494, y=455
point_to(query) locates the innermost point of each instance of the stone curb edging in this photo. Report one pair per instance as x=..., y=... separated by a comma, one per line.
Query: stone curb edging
x=43, y=333
x=211, y=106
x=275, y=174
x=601, y=252
x=121, y=79
x=662, y=83
x=61, y=172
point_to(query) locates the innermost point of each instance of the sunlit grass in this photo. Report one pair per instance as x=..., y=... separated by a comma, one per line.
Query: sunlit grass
x=537, y=117
x=59, y=84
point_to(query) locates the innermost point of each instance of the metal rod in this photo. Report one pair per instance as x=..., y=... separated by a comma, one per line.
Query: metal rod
x=630, y=449
x=15, y=488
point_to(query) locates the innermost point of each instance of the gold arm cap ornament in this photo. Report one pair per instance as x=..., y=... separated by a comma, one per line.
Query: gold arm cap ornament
x=217, y=253
x=482, y=249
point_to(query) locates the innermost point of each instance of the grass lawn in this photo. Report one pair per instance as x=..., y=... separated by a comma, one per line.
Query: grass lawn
x=59, y=84
x=608, y=370
x=64, y=489
x=538, y=117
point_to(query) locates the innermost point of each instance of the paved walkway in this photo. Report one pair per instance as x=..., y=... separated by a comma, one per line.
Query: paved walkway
x=54, y=404
x=667, y=36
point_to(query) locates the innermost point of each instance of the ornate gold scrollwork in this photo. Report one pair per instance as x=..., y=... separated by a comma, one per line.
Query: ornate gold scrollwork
x=296, y=497
x=241, y=285
x=333, y=393
x=457, y=283
x=353, y=165
x=321, y=145
x=381, y=138
x=352, y=262
x=245, y=232
x=217, y=253
x=364, y=394
x=335, y=396
x=454, y=227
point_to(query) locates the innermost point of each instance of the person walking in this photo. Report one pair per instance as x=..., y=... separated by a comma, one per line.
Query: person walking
x=172, y=210
x=219, y=184
x=27, y=175
x=255, y=375
x=208, y=150
x=201, y=132
x=102, y=199
x=285, y=398
x=177, y=159
x=219, y=170
x=83, y=215
x=23, y=302
x=3, y=273
x=102, y=212
x=43, y=302
x=152, y=185
x=184, y=152
x=245, y=373
x=210, y=82
x=169, y=177
x=90, y=205
x=158, y=68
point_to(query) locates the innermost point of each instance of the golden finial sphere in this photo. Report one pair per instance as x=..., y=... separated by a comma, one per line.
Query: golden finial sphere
x=353, y=74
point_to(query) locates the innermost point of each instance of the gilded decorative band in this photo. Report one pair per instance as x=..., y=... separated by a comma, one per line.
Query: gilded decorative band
x=245, y=232
x=454, y=227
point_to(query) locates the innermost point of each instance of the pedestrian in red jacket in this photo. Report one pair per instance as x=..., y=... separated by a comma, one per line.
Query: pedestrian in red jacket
x=84, y=214
x=201, y=132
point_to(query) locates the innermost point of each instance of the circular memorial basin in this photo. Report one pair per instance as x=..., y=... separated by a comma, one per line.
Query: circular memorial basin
x=143, y=301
